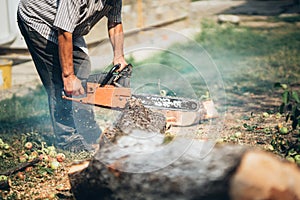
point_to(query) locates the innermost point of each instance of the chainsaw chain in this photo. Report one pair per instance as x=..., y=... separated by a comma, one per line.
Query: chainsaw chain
x=168, y=103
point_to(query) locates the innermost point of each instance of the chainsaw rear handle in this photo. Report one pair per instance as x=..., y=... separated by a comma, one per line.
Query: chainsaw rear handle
x=110, y=74
x=84, y=85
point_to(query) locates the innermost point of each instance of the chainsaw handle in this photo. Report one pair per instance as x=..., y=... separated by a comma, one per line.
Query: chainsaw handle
x=84, y=85
x=109, y=74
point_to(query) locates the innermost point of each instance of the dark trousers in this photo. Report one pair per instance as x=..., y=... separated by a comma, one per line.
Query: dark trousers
x=67, y=117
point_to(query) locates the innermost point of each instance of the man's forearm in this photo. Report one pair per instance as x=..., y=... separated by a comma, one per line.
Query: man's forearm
x=65, y=49
x=72, y=85
x=116, y=36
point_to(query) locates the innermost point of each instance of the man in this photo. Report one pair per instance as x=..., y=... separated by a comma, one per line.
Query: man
x=53, y=31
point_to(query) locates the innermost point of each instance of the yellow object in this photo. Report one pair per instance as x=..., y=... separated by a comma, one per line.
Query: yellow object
x=5, y=73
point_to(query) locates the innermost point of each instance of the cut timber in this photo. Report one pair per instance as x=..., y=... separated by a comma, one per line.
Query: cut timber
x=107, y=175
x=77, y=167
x=261, y=176
x=228, y=172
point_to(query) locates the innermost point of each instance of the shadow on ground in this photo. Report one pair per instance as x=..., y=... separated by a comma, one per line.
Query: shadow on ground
x=265, y=8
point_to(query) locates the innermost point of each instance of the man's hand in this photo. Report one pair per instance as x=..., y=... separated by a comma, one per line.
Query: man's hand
x=72, y=85
x=121, y=61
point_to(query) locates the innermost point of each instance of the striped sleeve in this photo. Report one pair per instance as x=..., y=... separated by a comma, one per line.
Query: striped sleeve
x=114, y=15
x=67, y=16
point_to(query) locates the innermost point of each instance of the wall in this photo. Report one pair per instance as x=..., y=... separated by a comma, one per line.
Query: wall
x=137, y=14
x=8, y=26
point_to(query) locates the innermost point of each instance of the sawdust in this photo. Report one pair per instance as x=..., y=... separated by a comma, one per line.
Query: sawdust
x=135, y=116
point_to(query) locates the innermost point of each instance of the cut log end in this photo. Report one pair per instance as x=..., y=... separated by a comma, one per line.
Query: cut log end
x=78, y=167
x=263, y=176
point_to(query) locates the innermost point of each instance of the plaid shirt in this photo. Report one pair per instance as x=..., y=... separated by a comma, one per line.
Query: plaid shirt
x=74, y=16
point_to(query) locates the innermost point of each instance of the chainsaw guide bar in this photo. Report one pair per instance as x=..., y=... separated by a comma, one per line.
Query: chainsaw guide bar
x=167, y=102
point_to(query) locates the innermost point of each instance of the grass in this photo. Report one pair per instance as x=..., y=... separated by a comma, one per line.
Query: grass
x=25, y=113
x=253, y=58
x=261, y=48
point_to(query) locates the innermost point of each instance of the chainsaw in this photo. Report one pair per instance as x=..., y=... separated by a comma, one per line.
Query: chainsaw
x=112, y=90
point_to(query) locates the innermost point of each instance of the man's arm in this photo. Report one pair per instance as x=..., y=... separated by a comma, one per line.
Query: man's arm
x=115, y=31
x=72, y=85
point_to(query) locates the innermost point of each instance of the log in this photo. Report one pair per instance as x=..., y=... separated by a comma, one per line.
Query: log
x=4, y=184
x=113, y=174
x=20, y=167
x=138, y=164
x=228, y=172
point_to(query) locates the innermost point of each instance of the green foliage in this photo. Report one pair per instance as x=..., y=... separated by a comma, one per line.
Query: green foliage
x=290, y=104
x=249, y=127
x=289, y=147
x=284, y=141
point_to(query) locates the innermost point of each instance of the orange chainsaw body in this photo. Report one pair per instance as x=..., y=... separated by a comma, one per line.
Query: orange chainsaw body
x=106, y=96
x=113, y=97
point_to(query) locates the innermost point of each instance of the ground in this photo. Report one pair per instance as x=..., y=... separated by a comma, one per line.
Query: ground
x=251, y=114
